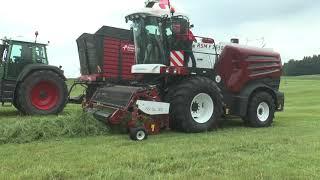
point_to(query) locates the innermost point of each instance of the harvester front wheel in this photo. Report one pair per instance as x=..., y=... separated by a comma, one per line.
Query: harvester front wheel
x=196, y=105
x=42, y=92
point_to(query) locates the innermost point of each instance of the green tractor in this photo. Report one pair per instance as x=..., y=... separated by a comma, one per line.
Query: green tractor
x=27, y=81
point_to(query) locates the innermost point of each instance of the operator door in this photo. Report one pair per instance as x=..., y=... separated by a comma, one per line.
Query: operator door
x=3, y=52
x=19, y=57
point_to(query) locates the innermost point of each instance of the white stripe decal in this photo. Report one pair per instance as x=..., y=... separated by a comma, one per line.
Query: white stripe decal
x=180, y=54
x=175, y=57
x=177, y=61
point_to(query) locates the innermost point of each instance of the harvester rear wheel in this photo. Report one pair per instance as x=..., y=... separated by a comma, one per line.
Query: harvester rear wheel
x=261, y=110
x=196, y=105
x=42, y=93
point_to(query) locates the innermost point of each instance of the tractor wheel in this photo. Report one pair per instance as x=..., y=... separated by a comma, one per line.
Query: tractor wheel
x=261, y=110
x=138, y=134
x=16, y=104
x=42, y=93
x=196, y=105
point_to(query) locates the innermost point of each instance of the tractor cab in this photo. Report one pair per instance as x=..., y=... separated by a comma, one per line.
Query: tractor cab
x=156, y=34
x=15, y=55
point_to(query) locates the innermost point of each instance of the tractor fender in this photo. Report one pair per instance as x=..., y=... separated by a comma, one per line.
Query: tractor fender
x=37, y=67
x=243, y=98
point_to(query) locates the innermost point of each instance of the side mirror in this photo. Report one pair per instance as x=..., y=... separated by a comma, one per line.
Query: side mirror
x=191, y=26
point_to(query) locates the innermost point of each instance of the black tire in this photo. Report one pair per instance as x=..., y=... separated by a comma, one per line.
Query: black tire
x=52, y=90
x=138, y=134
x=16, y=104
x=181, y=107
x=261, y=110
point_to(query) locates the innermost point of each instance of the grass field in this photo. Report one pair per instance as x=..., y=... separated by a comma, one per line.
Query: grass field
x=288, y=150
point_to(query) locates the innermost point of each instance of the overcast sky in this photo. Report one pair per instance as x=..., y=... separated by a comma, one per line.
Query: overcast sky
x=290, y=27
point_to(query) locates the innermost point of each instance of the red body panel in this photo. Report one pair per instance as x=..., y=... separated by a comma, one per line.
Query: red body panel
x=118, y=57
x=239, y=64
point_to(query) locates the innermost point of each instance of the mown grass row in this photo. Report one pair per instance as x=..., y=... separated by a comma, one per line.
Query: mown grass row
x=26, y=129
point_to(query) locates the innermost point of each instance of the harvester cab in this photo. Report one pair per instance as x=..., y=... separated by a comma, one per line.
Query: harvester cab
x=164, y=38
x=154, y=36
x=27, y=80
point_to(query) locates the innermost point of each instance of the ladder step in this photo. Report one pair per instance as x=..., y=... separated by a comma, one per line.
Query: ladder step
x=9, y=85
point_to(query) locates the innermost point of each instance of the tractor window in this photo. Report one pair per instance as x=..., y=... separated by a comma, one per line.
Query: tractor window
x=16, y=51
x=39, y=55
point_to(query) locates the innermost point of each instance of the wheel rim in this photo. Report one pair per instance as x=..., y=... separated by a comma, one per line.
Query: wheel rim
x=44, y=95
x=263, y=111
x=141, y=135
x=202, y=108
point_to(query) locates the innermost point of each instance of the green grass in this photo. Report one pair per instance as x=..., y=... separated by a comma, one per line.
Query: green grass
x=290, y=149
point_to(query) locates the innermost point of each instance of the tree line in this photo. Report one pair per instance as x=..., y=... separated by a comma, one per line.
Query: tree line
x=309, y=65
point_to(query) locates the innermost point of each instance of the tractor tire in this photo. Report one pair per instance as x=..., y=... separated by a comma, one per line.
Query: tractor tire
x=16, y=104
x=195, y=105
x=42, y=92
x=261, y=110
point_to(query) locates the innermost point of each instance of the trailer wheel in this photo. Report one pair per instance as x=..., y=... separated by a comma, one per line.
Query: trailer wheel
x=261, y=110
x=42, y=92
x=196, y=105
x=138, y=134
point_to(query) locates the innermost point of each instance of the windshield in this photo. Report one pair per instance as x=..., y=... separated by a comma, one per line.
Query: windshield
x=148, y=40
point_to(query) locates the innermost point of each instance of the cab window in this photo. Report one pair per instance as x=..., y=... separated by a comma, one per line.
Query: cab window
x=16, y=52
x=152, y=29
x=39, y=55
x=21, y=53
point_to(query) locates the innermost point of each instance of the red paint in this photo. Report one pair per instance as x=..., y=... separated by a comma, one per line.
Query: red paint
x=176, y=59
x=163, y=4
x=90, y=78
x=114, y=50
x=238, y=65
x=44, y=95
